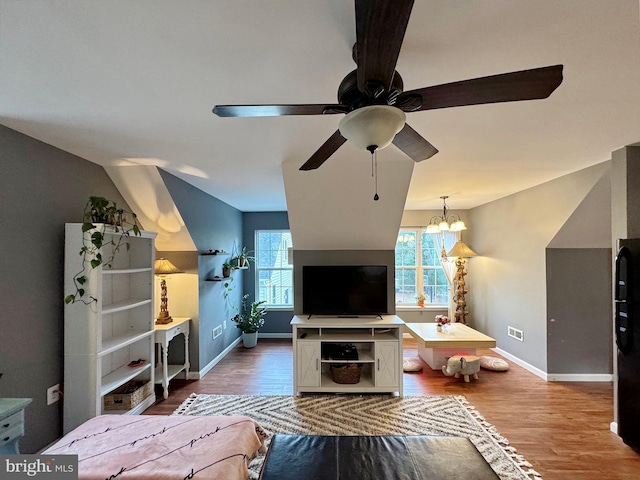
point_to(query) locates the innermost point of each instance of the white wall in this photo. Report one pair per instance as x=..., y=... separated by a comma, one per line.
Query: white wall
x=332, y=208
x=507, y=282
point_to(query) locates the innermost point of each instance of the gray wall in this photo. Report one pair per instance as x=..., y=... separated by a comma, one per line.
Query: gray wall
x=277, y=321
x=213, y=225
x=507, y=281
x=41, y=188
x=343, y=257
x=579, y=311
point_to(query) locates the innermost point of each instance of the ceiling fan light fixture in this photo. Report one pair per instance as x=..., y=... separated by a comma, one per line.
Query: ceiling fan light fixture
x=375, y=125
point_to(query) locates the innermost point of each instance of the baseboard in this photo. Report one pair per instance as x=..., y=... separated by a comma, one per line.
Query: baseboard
x=527, y=366
x=613, y=426
x=201, y=373
x=557, y=377
x=580, y=377
x=275, y=335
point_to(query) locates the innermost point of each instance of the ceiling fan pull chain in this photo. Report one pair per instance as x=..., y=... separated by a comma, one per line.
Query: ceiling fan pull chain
x=375, y=171
x=372, y=164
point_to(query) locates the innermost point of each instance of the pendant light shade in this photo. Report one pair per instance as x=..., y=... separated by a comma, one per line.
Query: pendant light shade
x=372, y=126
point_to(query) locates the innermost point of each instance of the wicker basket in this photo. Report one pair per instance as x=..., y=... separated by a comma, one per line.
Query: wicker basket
x=346, y=373
x=128, y=395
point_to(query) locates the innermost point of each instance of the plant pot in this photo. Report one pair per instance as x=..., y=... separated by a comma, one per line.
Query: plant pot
x=226, y=272
x=250, y=340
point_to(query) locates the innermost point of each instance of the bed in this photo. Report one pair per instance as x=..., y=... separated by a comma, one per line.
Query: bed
x=163, y=447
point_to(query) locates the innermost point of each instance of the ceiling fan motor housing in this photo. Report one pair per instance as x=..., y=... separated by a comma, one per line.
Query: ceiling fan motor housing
x=348, y=93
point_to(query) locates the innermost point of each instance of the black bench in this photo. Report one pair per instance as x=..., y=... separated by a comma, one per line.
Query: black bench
x=420, y=457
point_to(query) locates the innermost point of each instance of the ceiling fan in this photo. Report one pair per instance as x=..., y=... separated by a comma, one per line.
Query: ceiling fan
x=376, y=89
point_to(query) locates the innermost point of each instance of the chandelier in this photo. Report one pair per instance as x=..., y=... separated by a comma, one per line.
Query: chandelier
x=445, y=222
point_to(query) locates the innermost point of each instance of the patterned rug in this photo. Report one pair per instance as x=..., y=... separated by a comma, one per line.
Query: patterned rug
x=369, y=415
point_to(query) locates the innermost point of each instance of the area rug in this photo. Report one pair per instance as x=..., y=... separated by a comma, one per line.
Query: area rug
x=369, y=415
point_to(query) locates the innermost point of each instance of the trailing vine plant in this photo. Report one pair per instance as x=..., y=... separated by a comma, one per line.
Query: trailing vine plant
x=100, y=214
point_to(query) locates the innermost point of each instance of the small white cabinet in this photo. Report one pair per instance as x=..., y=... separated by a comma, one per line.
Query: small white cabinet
x=379, y=344
x=103, y=337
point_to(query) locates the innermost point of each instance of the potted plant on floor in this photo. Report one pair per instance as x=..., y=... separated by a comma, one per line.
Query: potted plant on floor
x=249, y=320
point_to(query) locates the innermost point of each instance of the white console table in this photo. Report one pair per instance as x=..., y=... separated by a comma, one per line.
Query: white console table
x=379, y=344
x=164, y=333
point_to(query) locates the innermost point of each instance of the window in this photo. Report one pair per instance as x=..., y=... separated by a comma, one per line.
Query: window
x=418, y=269
x=274, y=273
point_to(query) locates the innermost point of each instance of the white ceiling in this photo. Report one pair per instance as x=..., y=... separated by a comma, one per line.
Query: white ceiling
x=138, y=79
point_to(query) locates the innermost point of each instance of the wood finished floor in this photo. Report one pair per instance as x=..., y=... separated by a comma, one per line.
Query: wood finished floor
x=562, y=428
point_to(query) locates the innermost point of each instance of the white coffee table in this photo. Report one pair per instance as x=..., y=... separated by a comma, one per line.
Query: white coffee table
x=434, y=346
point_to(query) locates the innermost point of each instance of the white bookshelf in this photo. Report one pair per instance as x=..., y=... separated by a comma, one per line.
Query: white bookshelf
x=101, y=338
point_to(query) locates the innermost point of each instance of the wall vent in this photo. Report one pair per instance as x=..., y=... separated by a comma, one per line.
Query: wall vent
x=217, y=331
x=515, y=333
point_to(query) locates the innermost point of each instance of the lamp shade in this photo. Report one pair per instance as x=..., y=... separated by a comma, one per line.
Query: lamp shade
x=461, y=250
x=375, y=125
x=162, y=266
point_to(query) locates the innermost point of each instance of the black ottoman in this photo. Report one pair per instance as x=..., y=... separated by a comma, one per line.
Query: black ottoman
x=420, y=457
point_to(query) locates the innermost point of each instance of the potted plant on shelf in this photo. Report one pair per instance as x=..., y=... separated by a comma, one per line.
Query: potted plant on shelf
x=100, y=214
x=227, y=268
x=243, y=258
x=249, y=320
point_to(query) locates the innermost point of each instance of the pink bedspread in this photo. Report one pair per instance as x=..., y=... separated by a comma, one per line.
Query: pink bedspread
x=160, y=447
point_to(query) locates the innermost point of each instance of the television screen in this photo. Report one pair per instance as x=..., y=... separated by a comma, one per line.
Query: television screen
x=348, y=290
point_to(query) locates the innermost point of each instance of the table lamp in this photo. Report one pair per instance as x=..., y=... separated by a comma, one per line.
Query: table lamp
x=163, y=267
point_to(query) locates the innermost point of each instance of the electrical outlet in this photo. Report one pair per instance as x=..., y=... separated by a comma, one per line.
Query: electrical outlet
x=217, y=332
x=53, y=394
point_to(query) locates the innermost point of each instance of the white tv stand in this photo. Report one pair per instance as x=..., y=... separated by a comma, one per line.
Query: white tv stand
x=379, y=344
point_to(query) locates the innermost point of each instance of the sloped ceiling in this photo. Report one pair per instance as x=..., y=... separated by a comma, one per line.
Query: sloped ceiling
x=144, y=190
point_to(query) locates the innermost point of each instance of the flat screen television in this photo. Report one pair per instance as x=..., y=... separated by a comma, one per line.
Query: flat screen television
x=344, y=290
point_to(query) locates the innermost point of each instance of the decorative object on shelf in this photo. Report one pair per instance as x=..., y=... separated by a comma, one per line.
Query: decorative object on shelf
x=460, y=252
x=243, y=258
x=445, y=222
x=443, y=322
x=249, y=320
x=100, y=214
x=346, y=373
x=214, y=252
x=227, y=268
x=421, y=299
x=163, y=267
x=128, y=395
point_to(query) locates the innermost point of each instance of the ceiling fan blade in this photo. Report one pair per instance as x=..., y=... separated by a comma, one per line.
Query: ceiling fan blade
x=380, y=28
x=413, y=144
x=277, y=110
x=327, y=149
x=507, y=87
